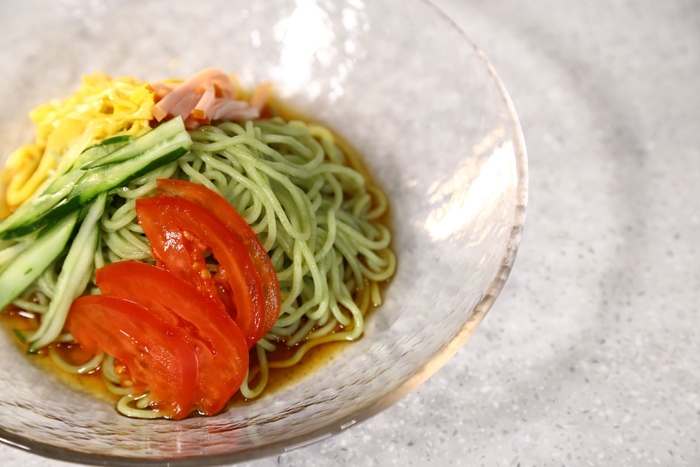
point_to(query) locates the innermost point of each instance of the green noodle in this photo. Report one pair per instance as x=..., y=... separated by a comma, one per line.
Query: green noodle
x=312, y=208
x=76, y=369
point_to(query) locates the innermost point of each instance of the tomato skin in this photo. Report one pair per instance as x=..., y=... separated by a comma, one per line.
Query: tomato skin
x=224, y=361
x=166, y=220
x=156, y=353
x=224, y=211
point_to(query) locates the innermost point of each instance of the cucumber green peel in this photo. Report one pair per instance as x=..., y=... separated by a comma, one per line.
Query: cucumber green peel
x=8, y=254
x=29, y=264
x=79, y=186
x=99, y=150
x=113, y=140
x=74, y=277
x=149, y=141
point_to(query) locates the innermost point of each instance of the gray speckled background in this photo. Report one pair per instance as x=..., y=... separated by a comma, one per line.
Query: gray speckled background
x=590, y=356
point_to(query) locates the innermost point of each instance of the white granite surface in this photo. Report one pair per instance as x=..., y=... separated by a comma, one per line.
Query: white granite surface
x=590, y=356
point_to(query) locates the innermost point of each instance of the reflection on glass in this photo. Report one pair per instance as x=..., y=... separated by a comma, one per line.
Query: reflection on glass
x=471, y=191
x=310, y=39
x=305, y=32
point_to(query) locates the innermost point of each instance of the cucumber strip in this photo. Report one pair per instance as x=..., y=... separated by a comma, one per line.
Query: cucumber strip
x=42, y=218
x=113, y=140
x=147, y=141
x=62, y=182
x=102, y=149
x=111, y=176
x=58, y=180
x=68, y=159
x=29, y=264
x=31, y=212
x=168, y=143
x=10, y=253
x=74, y=276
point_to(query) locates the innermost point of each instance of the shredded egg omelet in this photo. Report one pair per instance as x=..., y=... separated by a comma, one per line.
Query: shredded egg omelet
x=101, y=108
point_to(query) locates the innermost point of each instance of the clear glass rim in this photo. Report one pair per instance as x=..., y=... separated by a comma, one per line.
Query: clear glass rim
x=408, y=386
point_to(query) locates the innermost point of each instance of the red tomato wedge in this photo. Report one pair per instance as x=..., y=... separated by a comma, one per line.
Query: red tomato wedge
x=223, y=364
x=155, y=352
x=226, y=213
x=167, y=221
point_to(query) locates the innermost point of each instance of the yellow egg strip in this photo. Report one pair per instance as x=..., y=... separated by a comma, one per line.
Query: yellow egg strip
x=28, y=178
x=108, y=107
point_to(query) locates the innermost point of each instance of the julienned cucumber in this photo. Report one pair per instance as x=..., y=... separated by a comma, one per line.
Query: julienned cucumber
x=33, y=213
x=146, y=142
x=121, y=139
x=27, y=266
x=106, y=177
x=64, y=182
x=74, y=276
x=79, y=186
x=8, y=254
x=100, y=150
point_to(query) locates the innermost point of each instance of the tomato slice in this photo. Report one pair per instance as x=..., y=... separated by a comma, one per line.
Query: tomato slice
x=188, y=263
x=168, y=220
x=222, y=373
x=226, y=213
x=155, y=352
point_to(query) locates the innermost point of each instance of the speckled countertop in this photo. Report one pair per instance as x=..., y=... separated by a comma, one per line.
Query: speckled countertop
x=590, y=356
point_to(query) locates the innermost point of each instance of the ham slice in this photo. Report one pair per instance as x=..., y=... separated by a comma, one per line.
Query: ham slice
x=224, y=85
x=186, y=105
x=205, y=102
x=206, y=96
x=163, y=108
x=224, y=109
x=161, y=89
x=192, y=123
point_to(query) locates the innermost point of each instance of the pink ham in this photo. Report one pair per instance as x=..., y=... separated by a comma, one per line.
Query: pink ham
x=163, y=108
x=226, y=88
x=186, y=105
x=192, y=124
x=224, y=109
x=206, y=96
x=205, y=102
x=161, y=89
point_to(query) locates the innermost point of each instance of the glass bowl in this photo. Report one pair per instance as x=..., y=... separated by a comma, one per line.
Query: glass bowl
x=400, y=82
